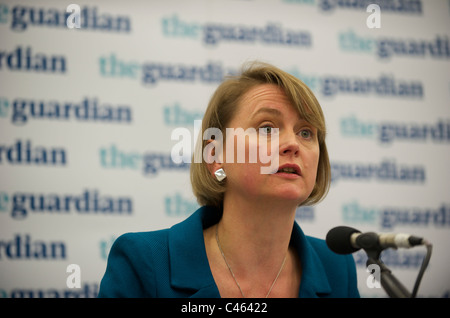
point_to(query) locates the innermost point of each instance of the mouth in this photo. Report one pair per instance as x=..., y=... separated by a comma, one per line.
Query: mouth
x=289, y=169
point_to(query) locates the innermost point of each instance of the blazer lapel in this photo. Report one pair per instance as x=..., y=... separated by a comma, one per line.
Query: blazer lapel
x=189, y=266
x=314, y=282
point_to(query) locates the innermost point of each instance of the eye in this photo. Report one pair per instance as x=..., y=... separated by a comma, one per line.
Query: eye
x=306, y=133
x=267, y=129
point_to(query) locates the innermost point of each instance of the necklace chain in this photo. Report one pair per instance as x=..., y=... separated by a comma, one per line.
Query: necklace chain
x=231, y=271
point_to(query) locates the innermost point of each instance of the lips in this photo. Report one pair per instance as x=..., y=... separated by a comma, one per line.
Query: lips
x=290, y=169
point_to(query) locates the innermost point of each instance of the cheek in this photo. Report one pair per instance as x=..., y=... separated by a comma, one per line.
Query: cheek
x=243, y=177
x=311, y=163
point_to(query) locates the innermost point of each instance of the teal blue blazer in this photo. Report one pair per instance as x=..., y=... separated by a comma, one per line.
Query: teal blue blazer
x=173, y=263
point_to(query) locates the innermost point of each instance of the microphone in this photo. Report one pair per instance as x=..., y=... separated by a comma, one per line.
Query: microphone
x=347, y=240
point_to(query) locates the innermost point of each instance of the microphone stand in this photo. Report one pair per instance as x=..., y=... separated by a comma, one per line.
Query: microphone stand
x=389, y=282
x=392, y=286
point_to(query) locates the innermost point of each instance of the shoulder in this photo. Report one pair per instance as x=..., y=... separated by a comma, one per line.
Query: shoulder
x=129, y=242
x=146, y=264
x=132, y=267
x=139, y=247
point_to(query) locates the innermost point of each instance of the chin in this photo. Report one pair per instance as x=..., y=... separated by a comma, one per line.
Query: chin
x=294, y=197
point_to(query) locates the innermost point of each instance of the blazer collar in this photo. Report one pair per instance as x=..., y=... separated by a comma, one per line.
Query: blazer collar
x=189, y=266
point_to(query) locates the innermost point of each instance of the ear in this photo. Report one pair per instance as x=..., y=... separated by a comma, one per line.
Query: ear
x=213, y=155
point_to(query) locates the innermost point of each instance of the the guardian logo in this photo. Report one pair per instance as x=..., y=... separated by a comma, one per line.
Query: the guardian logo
x=435, y=48
x=384, y=85
x=387, y=132
x=89, y=202
x=394, y=6
x=389, y=217
x=86, y=110
x=149, y=163
x=214, y=33
x=151, y=73
x=25, y=152
x=27, y=60
x=22, y=17
x=386, y=171
x=23, y=246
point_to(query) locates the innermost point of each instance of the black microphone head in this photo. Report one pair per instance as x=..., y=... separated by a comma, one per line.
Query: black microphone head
x=338, y=240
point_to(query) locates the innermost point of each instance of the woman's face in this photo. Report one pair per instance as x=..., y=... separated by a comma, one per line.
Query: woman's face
x=266, y=106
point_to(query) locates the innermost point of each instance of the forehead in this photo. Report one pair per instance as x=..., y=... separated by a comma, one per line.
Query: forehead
x=264, y=95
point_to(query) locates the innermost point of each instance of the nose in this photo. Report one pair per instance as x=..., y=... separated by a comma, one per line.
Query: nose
x=289, y=145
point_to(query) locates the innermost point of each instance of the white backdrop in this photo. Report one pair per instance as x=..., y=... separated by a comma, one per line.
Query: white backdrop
x=86, y=117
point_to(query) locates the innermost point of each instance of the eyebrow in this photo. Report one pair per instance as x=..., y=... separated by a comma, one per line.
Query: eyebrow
x=272, y=111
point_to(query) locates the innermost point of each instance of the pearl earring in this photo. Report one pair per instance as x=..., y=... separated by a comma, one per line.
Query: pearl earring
x=220, y=174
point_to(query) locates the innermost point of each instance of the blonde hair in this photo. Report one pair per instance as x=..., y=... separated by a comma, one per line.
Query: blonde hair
x=224, y=104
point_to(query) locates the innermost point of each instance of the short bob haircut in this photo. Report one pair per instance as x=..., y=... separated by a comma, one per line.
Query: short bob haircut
x=224, y=104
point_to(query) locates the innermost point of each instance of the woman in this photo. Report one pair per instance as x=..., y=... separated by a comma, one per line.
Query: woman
x=244, y=241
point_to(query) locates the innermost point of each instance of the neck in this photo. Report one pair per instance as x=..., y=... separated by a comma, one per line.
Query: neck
x=255, y=234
